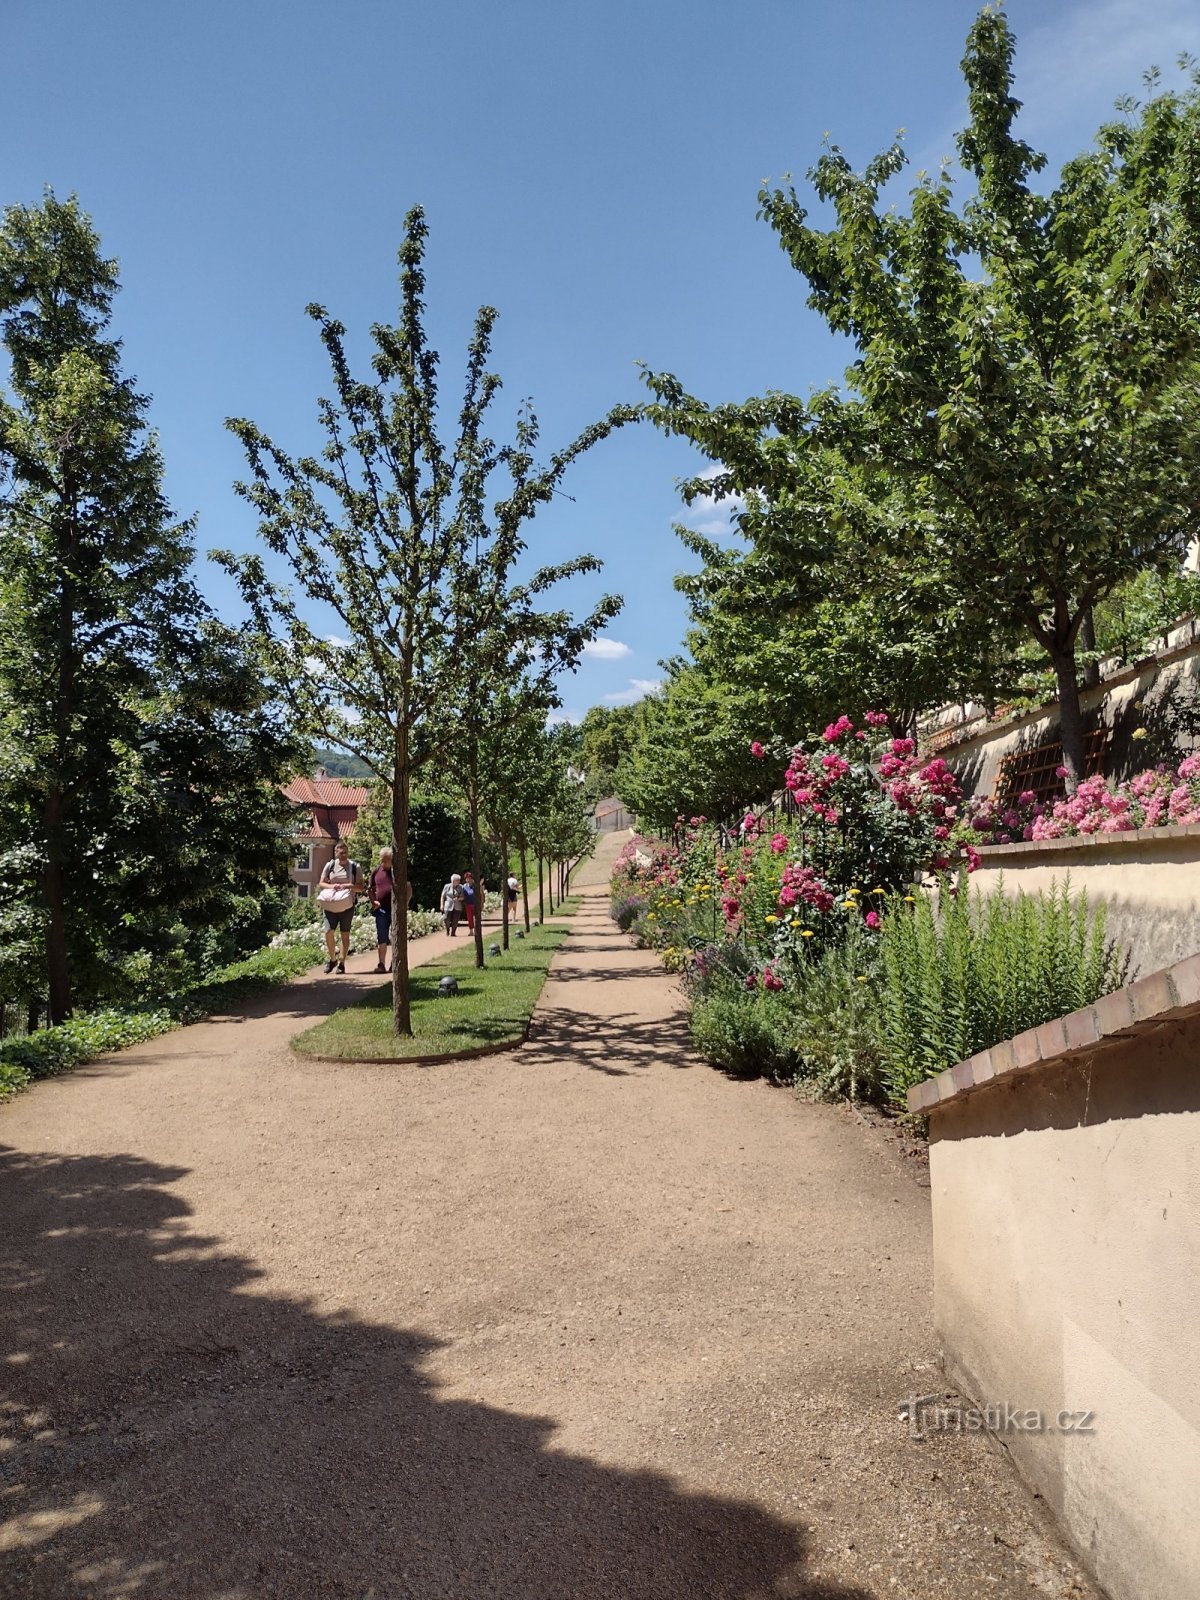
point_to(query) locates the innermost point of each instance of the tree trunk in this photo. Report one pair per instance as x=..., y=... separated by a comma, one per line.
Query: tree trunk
x=401, y=1004
x=504, y=893
x=58, y=974
x=476, y=868
x=541, y=892
x=1087, y=640
x=1074, y=755
x=525, y=884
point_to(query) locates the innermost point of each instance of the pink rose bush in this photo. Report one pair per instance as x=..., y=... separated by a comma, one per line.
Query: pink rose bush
x=807, y=949
x=849, y=838
x=1155, y=798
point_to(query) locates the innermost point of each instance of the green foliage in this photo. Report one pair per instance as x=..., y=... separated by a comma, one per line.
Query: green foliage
x=413, y=541
x=977, y=970
x=747, y=1035
x=142, y=749
x=689, y=751
x=338, y=764
x=605, y=738
x=1019, y=432
x=836, y=1019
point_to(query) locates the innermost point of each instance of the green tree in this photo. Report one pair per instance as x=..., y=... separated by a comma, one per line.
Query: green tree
x=605, y=736
x=391, y=532
x=1021, y=415
x=140, y=750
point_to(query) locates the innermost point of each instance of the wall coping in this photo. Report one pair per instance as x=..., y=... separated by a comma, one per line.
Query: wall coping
x=1089, y=841
x=1165, y=996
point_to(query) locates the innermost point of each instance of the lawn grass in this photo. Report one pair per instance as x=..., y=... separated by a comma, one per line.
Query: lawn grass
x=490, y=1010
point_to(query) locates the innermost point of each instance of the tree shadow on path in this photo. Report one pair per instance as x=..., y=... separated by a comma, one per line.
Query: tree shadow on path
x=173, y=1431
x=618, y=1044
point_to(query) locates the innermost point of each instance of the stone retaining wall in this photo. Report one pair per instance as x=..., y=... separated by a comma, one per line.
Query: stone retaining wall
x=1149, y=880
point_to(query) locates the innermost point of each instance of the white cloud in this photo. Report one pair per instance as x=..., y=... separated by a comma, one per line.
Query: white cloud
x=606, y=649
x=1074, y=66
x=1070, y=66
x=638, y=689
x=555, y=719
x=714, y=513
x=333, y=638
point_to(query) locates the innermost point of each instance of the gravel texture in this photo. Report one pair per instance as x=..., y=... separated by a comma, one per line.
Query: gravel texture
x=585, y=1320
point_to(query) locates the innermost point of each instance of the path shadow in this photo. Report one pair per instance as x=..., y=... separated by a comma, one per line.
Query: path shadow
x=172, y=1431
x=616, y=1044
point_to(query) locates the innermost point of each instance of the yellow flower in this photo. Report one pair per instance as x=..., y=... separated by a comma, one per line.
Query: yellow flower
x=910, y=900
x=850, y=903
x=1139, y=733
x=794, y=923
x=806, y=933
x=650, y=916
x=878, y=891
x=771, y=919
x=853, y=891
x=861, y=979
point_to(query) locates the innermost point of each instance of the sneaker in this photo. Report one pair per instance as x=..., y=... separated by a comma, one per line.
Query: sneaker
x=379, y=967
x=328, y=968
x=342, y=968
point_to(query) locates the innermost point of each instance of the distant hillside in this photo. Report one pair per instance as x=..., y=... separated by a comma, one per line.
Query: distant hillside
x=339, y=765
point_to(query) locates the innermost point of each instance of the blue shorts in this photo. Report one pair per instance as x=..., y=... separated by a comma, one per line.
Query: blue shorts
x=383, y=924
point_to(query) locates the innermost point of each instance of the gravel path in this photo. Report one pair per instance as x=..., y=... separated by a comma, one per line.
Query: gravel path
x=582, y=1322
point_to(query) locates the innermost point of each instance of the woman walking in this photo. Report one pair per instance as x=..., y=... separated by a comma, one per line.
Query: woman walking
x=452, y=903
x=341, y=885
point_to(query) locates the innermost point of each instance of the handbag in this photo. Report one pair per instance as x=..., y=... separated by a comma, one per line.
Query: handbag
x=337, y=896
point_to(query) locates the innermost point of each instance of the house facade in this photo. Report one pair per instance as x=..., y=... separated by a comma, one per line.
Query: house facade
x=327, y=811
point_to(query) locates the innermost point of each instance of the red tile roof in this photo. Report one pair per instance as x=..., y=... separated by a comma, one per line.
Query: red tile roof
x=332, y=805
x=327, y=792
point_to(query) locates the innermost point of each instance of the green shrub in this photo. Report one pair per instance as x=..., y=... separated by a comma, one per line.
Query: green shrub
x=976, y=970
x=748, y=1035
x=50, y=1051
x=837, y=1021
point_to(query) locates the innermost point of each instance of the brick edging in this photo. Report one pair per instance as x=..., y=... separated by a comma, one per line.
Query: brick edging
x=1170, y=993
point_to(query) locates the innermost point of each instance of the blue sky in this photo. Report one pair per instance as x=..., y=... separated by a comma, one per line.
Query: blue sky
x=591, y=171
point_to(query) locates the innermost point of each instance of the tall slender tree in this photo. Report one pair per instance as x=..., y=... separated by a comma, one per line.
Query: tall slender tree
x=390, y=532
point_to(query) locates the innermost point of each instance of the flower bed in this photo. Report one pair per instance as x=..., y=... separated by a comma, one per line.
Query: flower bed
x=1159, y=797
x=807, y=952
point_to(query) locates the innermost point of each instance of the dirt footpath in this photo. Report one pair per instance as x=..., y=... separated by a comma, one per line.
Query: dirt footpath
x=582, y=1322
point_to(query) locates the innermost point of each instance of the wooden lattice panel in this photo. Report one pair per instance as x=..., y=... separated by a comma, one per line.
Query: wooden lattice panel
x=1037, y=769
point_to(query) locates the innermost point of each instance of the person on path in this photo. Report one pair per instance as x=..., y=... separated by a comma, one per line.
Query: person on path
x=468, y=889
x=381, y=891
x=512, y=890
x=341, y=885
x=452, y=903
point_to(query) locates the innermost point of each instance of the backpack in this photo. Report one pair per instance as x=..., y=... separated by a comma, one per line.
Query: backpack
x=331, y=895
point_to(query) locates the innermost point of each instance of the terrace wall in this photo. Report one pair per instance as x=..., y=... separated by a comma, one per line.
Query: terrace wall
x=1148, y=879
x=1160, y=695
x=1066, y=1235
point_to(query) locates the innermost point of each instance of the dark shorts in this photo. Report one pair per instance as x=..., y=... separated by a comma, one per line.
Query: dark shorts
x=383, y=924
x=339, y=919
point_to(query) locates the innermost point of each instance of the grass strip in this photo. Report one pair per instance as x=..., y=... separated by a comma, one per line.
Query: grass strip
x=491, y=1008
